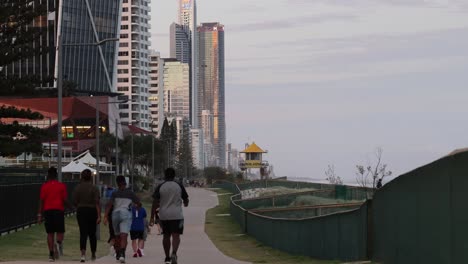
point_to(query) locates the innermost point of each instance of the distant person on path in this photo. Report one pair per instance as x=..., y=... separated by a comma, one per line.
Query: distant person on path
x=138, y=229
x=121, y=201
x=87, y=200
x=379, y=184
x=168, y=197
x=53, y=197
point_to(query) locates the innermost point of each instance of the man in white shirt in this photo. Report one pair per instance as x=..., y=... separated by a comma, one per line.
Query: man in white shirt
x=168, y=197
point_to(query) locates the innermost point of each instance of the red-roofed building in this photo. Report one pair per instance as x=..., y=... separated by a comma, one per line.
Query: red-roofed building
x=79, y=117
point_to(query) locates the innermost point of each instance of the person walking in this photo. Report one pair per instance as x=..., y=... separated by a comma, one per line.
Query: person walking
x=137, y=230
x=87, y=200
x=121, y=202
x=52, y=200
x=168, y=197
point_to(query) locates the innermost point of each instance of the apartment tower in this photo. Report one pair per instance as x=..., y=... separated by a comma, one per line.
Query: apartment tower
x=133, y=63
x=156, y=90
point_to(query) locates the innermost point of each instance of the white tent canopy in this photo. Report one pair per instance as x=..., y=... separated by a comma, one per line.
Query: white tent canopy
x=76, y=167
x=88, y=159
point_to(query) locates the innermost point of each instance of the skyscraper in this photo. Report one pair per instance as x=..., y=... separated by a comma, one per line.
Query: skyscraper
x=176, y=89
x=89, y=68
x=211, y=84
x=156, y=90
x=180, y=43
x=133, y=63
x=187, y=19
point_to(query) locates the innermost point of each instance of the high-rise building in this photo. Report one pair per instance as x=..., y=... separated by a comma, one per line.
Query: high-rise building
x=133, y=63
x=187, y=19
x=176, y=89
x=211, y=94
x=88, y=69
x=196, y=137
x=180, y=43
x=156, y=90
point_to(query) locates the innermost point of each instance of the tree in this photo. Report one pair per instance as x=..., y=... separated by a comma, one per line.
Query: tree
x=184, y=162
x=372, y=173
x=22, y=23
x=107, y=145
x=332, y=178
x=15, y=138
x=215, y=173
x=169, y=138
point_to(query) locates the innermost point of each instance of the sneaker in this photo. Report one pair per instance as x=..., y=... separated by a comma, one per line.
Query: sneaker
x=140, y=252
x=93, y=256
x=51, y=259
x=174, y=258
x=167, y=260
x=83, y=259
x=122, y=256
x=135, y=255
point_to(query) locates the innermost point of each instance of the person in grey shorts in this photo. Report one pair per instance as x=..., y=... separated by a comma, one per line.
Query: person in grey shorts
x=168, y=197
x=121, y=201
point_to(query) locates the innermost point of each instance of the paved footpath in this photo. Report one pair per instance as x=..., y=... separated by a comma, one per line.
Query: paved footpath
x=195, y=248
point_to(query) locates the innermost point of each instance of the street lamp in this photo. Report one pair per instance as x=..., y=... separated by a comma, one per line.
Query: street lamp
x=60, y=94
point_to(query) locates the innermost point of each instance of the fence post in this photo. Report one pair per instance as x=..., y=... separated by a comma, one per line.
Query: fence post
x=370, y=230
x=245, y=221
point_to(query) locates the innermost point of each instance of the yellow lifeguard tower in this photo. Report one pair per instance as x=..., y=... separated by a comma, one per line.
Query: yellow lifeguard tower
x=254, y=160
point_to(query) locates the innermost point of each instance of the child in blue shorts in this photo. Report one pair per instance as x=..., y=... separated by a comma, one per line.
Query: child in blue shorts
x=137, y=230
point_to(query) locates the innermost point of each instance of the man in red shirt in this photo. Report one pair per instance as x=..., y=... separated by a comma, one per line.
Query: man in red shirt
x=51, y=208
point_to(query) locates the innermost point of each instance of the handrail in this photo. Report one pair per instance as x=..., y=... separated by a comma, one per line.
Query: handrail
x=300, y=208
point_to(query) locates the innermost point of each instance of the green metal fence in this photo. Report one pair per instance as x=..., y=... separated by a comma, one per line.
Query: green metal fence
x=341, y=236
x=422, y=216
x=338, y=235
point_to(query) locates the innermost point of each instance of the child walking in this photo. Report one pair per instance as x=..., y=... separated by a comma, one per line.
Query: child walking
x=137, y=230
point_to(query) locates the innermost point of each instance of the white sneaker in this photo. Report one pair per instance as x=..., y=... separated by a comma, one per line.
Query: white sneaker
x=112, y=251
x=83, y=259
x=122, y=260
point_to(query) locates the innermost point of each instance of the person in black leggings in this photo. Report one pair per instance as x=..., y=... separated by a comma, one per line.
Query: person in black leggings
x=86, y=199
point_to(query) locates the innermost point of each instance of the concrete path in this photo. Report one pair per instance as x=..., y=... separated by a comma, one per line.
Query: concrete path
x=195, y=248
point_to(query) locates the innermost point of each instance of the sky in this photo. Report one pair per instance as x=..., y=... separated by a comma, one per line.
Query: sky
x=326, y=82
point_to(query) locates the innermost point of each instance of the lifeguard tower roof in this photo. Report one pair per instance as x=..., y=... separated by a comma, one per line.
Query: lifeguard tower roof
x=253, y=148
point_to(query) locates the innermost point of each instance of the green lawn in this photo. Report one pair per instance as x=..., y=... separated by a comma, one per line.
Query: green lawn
x=225, y=234
x=30, y=244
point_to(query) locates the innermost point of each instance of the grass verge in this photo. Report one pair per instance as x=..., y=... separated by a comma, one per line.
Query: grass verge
x=30, y=244
x=228, y=238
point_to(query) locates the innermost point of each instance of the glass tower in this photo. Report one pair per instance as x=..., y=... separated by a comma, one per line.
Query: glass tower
x=211, y=84
x=90, y=67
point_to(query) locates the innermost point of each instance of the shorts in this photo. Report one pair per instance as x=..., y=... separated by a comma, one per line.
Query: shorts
x=172, y=227
x=54, y=221
x=121, y=221
x=136, y=235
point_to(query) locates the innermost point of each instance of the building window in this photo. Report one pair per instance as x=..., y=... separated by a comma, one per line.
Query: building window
x=124, y=27
x=122, y=89
x=122, y=80
x=125, y=18
x=122, y=62
x=123, y=53
x=123, y=44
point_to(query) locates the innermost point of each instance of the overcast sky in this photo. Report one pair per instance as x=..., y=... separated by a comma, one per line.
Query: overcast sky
x=318, y=82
